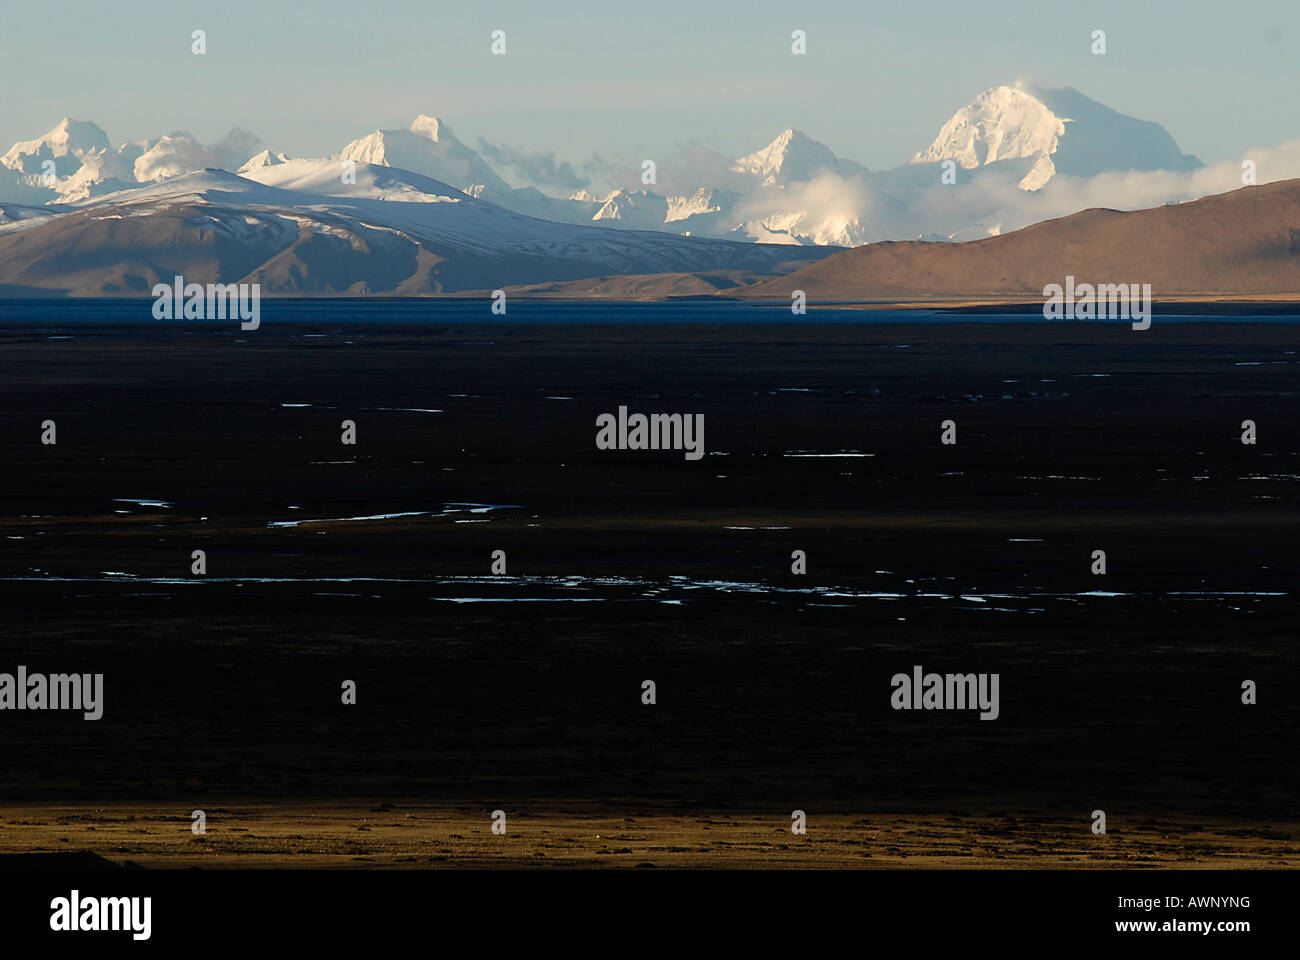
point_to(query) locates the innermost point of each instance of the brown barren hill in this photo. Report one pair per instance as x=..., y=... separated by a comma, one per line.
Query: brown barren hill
x=1238, y=244
x=644, y=286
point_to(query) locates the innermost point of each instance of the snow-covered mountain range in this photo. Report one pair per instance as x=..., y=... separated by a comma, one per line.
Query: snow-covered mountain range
x=793, y=190
x=1015, y=155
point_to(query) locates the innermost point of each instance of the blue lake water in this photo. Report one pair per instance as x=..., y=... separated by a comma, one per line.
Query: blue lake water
x=44, y=313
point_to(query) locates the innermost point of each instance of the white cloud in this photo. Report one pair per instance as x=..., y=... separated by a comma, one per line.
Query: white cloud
x=876, y=207
x=172, y=157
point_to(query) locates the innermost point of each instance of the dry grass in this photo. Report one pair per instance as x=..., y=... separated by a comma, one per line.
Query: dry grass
x=361, y=835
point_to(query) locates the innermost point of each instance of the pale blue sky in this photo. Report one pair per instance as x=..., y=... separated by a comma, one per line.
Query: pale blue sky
x=637, y=79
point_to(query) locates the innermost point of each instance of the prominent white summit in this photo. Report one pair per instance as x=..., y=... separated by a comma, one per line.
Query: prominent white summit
x=428, y=147
x=1057, y=131
x=79, y=155
x=1004, y=123
x=793, y=156
x=75, y=139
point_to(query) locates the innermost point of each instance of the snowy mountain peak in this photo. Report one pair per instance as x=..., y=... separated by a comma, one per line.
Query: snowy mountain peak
x=705, y=200
x=792, y=156
x=638, y=209
x=427, y=126
x=264, y=159
x=428, y=148
x=1080, y=136
x=1007, y=122
x=76, y=138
